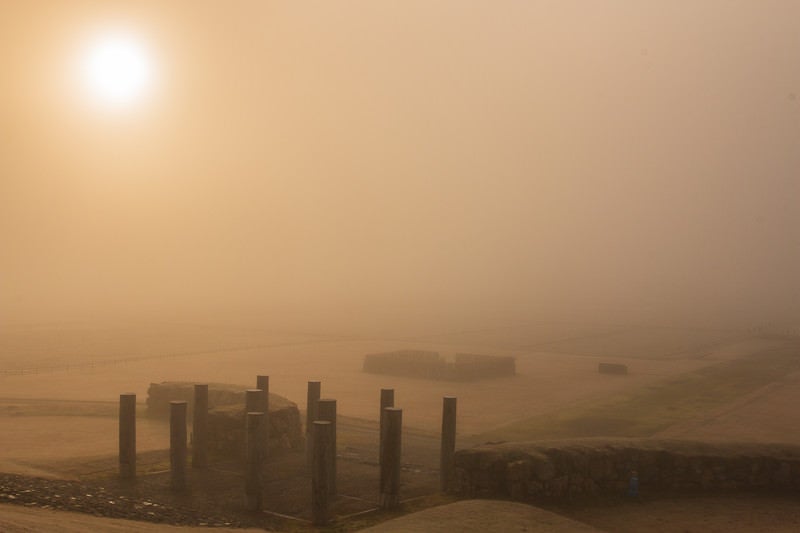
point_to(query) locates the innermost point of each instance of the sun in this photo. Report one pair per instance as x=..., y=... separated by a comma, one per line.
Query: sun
x=118, y=69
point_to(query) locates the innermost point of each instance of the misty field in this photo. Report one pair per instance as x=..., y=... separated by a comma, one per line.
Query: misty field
x=60, y=387
x=65, y=379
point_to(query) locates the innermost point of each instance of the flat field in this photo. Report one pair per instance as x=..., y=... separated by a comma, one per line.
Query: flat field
x=61, y=383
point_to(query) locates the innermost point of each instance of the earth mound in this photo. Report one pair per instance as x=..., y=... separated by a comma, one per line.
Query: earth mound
x=226, y=406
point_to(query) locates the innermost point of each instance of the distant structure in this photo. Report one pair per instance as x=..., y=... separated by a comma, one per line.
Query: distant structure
x=612, y=368
x=778, y=330
x=431, y=365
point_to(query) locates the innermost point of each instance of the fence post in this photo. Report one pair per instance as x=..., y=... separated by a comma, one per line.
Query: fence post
x=390, y=463
x=262, y=383
x=254, y=460
x=326, y=411
x=177, y=445
x=387, y=400
x=448, y=449
x=322, y=435
x=127, y=436
x=200, y=427
x=312, y=397
x=254, y=403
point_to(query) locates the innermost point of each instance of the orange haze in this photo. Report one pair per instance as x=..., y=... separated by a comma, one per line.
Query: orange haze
x=362, y=163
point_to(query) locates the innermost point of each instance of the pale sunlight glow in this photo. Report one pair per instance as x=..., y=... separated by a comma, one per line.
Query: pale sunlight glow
x=118, y=69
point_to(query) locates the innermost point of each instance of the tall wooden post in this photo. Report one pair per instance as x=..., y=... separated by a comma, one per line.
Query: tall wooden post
x=326, y=411
x=254, y=403
x=177, y=445
x=390, y=463
x=387, y=400
x=262, y=383
x=322, y=435
x=448, y=442
x=200, y=427
x=127, y=436
x=254, y=460
x=312, y=397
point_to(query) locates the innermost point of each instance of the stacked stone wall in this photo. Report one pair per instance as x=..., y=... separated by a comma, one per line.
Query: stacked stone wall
x=431, y=365
x=226, y=429
x=408, y=363
x=469, y=367
x=563, y=470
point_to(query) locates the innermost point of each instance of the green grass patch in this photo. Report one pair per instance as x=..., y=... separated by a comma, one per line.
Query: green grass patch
x=656, y=407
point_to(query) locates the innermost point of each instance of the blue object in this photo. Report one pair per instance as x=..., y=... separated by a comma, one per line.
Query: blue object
x=633, y=485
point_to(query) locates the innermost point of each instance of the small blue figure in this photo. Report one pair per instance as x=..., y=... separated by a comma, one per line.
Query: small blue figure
x=633, y=485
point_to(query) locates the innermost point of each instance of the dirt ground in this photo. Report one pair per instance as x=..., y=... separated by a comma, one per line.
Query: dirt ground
x=482, y=516
x=17, y=519
x=734, y=513
x=709, y=514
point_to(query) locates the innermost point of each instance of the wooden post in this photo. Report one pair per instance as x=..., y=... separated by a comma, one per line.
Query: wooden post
x=200, y=427
x=312, y=397
x=254, y=403
x=262, y=383
x=387, y=400
x=255, y=458
x=177, y=445
x=326, y=411
x=448, y=442
x=127, y=436
x=322, y=435
x=390, y=462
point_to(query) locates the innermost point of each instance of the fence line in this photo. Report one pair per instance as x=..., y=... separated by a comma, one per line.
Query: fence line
x=133, y=359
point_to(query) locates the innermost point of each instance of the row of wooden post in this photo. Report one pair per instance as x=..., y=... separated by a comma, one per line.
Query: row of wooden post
x=320, y=438
x=256, y=432
x=321, y=449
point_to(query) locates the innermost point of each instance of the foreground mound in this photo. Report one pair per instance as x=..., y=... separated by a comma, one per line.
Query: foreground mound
x=481, y=516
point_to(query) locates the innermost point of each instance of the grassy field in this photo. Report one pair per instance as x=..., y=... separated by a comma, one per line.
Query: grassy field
x=28, y=407
x=648, y=410
x=645, y=342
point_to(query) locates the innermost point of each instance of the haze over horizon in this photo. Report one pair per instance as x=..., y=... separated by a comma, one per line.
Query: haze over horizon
x=362, y=164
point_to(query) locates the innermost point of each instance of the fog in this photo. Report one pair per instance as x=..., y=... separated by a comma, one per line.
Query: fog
x=361, y=164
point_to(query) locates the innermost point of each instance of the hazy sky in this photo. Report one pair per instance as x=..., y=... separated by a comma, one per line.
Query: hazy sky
x=361, y=161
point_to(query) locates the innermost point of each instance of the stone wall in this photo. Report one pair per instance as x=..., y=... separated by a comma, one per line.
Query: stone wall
x=226, y=429
x=160, y=394
x=431, y=365
x=469, y=367
x=409, y=363
x=560, y=470
x=226, y=415
x=612, y=368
